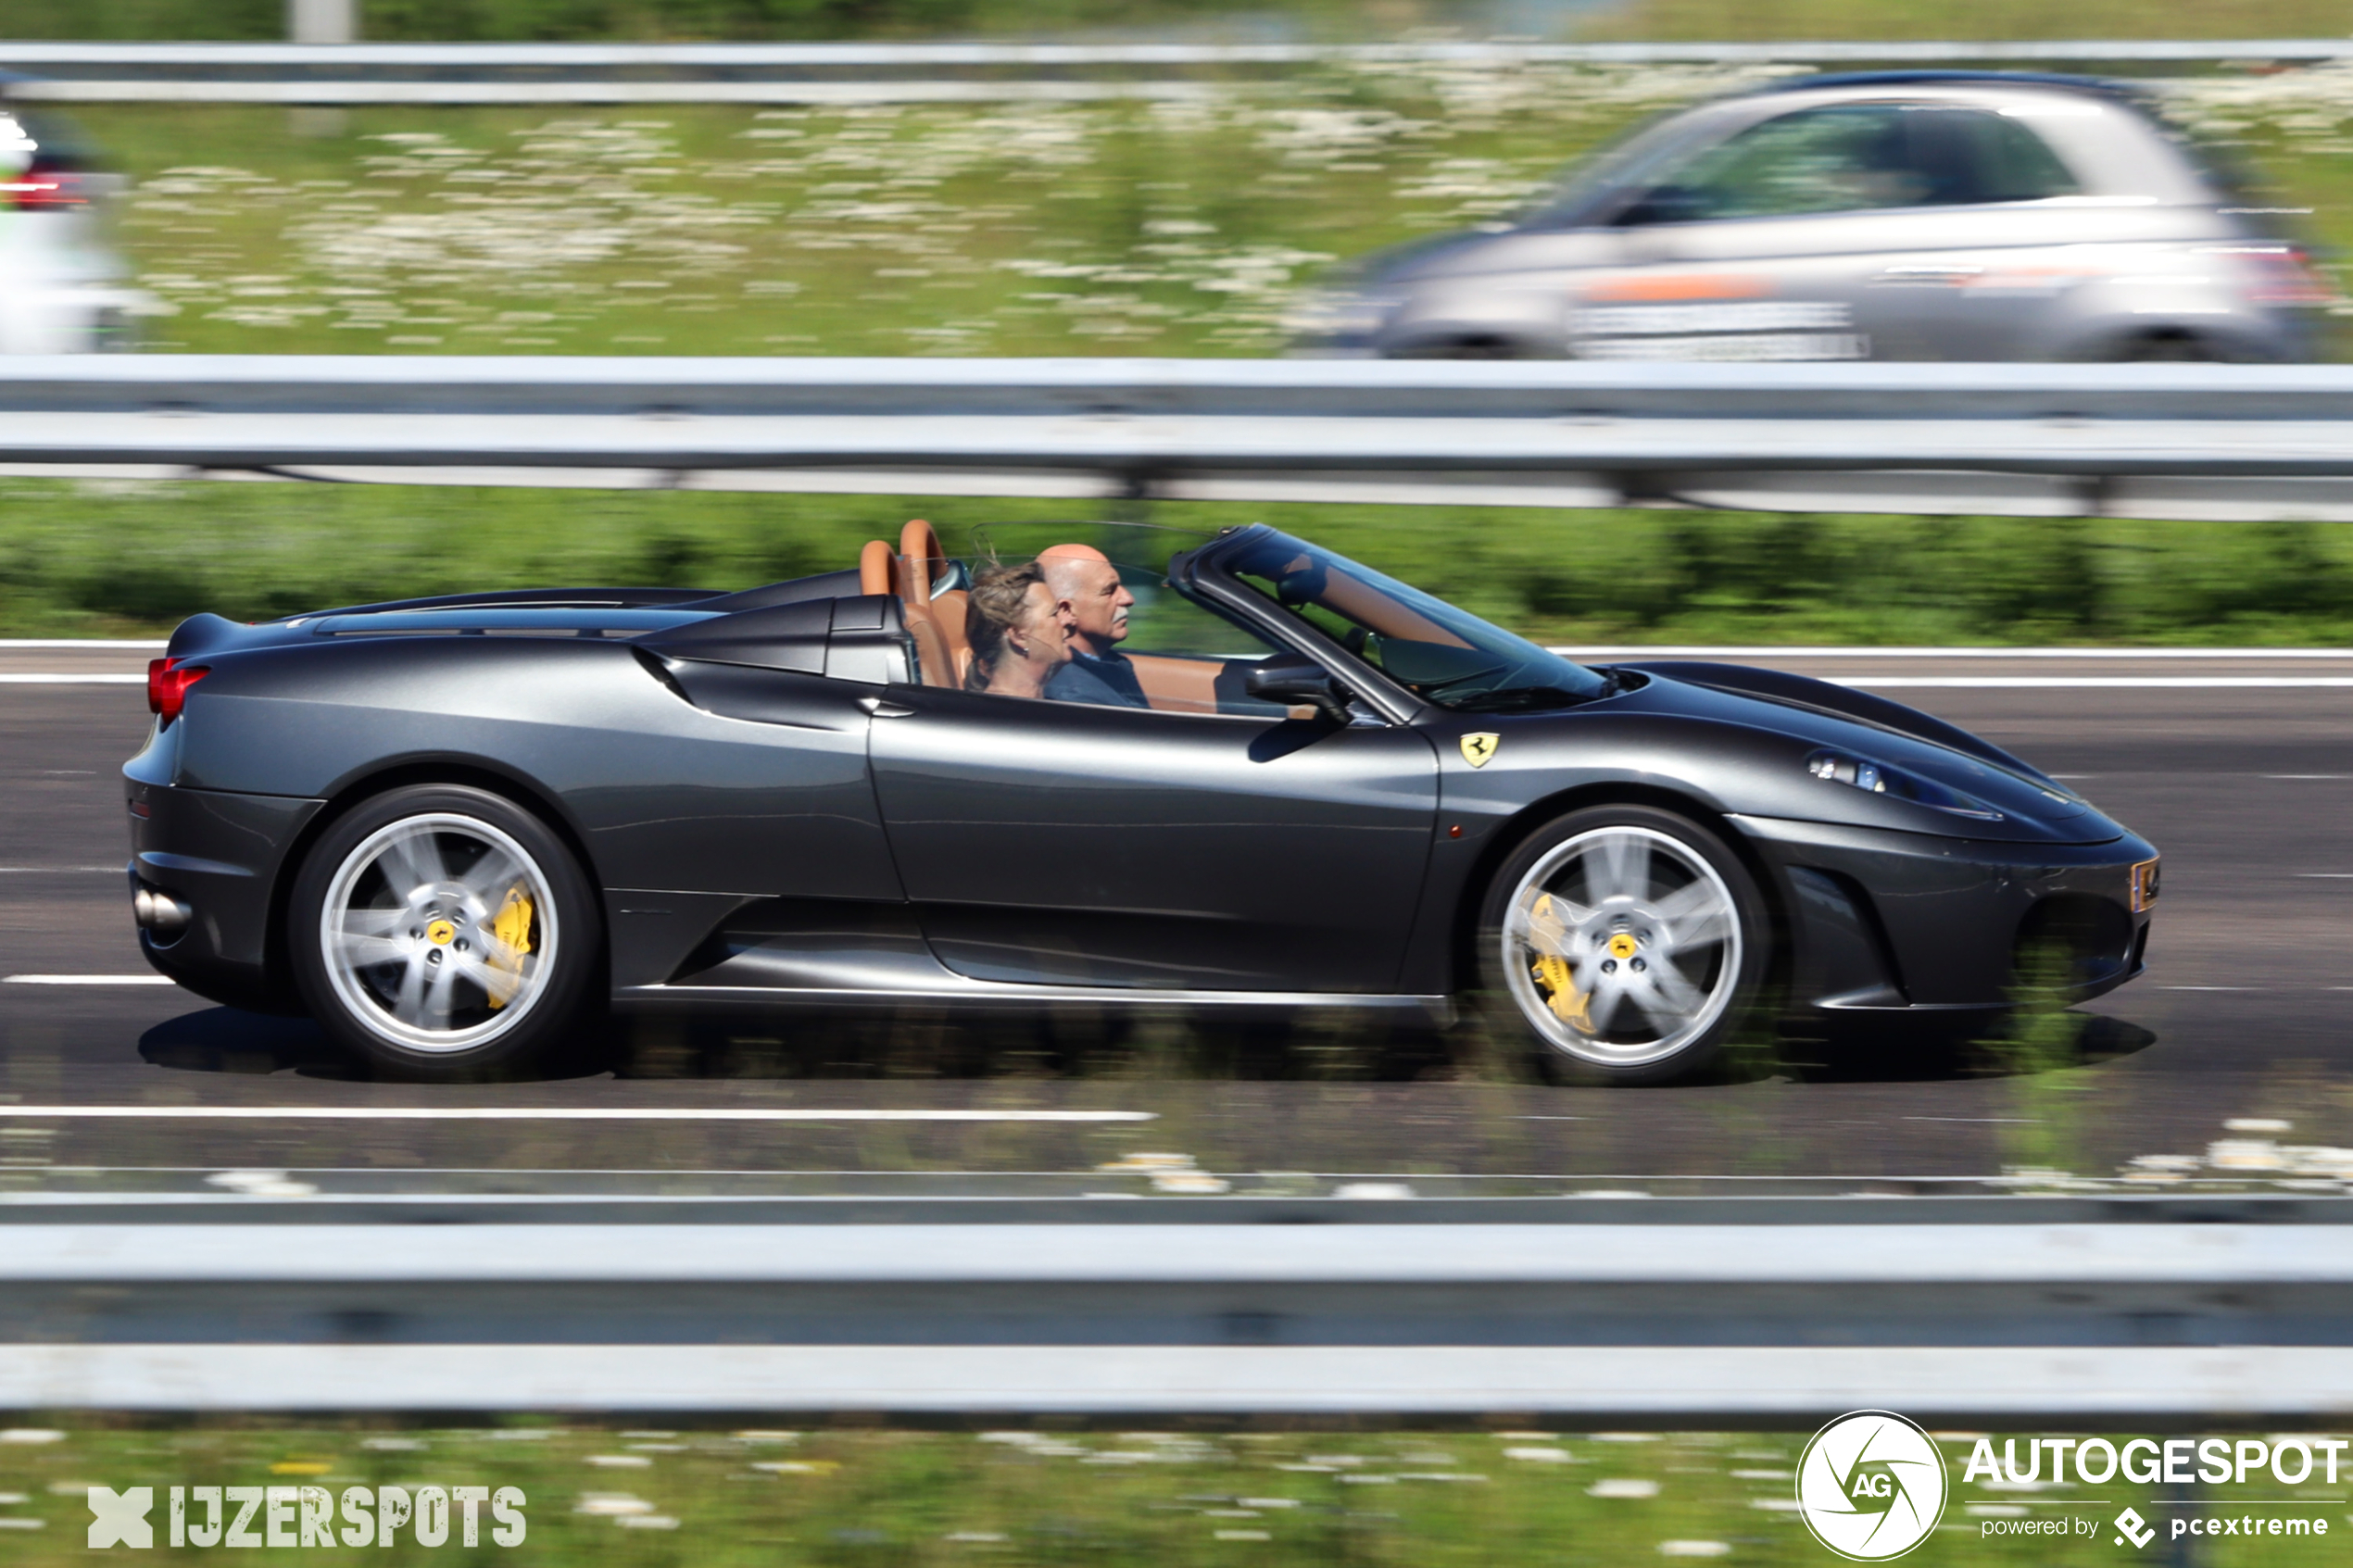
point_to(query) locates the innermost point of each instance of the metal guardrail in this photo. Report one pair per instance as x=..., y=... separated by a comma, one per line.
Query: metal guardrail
x=2187, y=441
x=357, y=73
x=1640, y=1323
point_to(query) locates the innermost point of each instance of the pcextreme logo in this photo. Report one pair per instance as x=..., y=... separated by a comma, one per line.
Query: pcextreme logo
x=1870, y=1486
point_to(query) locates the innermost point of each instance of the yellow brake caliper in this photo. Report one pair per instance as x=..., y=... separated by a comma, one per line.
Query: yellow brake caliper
x=511, y=926
x=1551, y=972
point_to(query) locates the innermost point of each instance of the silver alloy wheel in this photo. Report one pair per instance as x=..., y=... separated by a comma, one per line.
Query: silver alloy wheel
x=440, y=932
x=1622, y=945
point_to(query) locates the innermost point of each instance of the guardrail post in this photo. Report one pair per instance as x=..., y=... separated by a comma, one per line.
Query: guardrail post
x=320, y=21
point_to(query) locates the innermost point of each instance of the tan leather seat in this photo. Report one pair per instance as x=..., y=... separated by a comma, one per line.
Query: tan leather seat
x=919, y=546
x=937, y=664
x=948, y=612
x=921, y=562
x=1177, y=685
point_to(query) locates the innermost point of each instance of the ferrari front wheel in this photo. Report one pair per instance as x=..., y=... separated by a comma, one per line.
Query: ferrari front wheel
x=1624, y=943
x=442, y=931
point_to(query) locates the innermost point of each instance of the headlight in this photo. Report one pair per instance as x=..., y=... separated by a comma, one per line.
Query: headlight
x=1861, y=773
x=1339, y=316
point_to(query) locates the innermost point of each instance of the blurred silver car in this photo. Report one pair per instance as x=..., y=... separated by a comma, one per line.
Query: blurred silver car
x=63, y=290
x=1891, y=215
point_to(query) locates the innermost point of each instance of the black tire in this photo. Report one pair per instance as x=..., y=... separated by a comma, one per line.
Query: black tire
x=477, y=971
x=2169, y=348
x=1465, y=348
x=1668, y=884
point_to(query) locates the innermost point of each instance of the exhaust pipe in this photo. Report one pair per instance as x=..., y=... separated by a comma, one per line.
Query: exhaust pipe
x=159, y=914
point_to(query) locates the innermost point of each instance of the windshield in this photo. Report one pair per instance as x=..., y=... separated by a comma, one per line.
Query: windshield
x=1440, y=653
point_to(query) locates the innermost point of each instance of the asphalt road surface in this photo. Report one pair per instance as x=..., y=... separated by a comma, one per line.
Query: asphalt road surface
x=2246, y=785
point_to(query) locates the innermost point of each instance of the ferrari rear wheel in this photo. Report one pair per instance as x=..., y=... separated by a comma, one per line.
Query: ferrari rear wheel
x=1624, y=943
x=442, y=932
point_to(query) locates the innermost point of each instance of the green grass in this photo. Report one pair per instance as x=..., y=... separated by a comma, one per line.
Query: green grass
x=844, y=1497
x=1097, y=228
x=83, y=558
x=1172, y=228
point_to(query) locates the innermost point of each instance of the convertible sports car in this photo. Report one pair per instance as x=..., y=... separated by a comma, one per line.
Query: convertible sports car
x=1256, y=775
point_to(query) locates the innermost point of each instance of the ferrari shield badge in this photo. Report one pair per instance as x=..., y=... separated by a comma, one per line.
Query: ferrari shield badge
x=1477, y=749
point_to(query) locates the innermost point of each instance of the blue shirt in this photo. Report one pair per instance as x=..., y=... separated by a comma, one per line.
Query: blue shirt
x=1107, y=681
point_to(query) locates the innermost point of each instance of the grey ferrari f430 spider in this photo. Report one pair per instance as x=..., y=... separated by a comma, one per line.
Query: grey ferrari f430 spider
x=1251, y=774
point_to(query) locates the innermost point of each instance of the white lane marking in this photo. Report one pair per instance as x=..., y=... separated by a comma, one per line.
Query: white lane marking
x=87, y=980
x=2207, y=987
x=2326, y=876
x=63, y=680
x=2022, y=1121
x=81, y=642
x=1856, y=651
x=2099, y=683
x=2304, y=775
x=542, y=1113
x=60, y=871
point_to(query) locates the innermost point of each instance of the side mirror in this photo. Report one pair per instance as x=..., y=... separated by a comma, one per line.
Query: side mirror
x=1294, y=679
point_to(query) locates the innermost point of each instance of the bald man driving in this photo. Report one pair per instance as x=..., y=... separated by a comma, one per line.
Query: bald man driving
x=1086, y=585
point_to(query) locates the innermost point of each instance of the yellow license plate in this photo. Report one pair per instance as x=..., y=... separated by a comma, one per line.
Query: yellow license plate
x=2143, y=886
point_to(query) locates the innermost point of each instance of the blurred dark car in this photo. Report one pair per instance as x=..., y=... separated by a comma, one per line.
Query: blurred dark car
x=63, y=289
x=1891, y=215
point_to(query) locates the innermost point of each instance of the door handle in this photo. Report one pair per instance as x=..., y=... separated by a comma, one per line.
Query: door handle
x=883, y=707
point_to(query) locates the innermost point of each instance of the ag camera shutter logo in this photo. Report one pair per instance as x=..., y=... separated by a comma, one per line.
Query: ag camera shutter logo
x=1870, y=1486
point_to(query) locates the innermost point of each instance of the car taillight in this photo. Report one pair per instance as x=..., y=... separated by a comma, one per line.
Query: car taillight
x=168, y=683
x=2286, y=276
x=43, y=185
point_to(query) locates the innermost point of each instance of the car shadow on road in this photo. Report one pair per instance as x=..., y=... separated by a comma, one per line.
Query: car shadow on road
x=1992, y=1047
x=1073, y=1042
x=232, y=1040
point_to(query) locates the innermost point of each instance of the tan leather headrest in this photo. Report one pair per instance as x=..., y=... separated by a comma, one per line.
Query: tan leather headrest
x=873, y=568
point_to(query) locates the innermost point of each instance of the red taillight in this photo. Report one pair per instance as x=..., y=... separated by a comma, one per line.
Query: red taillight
x=44, y=186
x=168, y=683
x=2286, y=277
